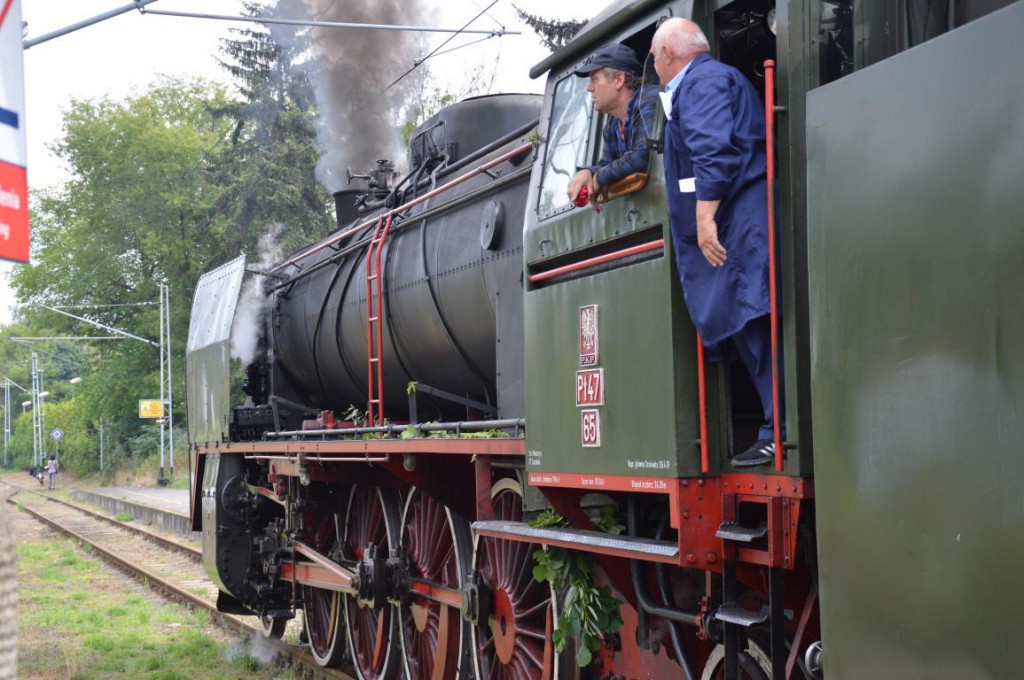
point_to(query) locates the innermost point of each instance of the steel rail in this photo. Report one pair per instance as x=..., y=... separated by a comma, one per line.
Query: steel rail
x=174, y=592
x=156, y=538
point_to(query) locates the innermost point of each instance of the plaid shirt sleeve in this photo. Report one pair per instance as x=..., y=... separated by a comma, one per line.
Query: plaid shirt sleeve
x=625, y=154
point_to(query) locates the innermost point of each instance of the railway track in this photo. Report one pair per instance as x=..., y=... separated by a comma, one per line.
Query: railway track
x=167, y=566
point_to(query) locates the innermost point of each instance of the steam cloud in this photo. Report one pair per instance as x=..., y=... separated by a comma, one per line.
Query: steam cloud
x=253, y=303
x=351, y=68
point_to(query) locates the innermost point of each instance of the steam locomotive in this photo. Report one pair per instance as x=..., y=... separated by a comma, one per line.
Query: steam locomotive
x=472, y=389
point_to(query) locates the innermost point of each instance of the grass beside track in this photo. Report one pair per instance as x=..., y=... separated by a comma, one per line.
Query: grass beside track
x=80, y=619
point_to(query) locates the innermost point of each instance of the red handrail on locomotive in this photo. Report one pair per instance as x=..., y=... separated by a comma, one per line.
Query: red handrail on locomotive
x=769, y=119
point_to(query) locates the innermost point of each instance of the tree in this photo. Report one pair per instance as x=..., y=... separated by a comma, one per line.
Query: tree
x=429, y=95
x=266, y=167
x=138, y=211
x=554, y=34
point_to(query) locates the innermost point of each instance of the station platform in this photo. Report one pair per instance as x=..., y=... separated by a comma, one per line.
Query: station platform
x=165, y=509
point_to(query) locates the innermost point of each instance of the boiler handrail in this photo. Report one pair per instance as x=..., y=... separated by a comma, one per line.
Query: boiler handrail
x=480, y=169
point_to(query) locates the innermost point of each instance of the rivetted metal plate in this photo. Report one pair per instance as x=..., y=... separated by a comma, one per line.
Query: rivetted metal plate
x=208, y=357
x=916, y=249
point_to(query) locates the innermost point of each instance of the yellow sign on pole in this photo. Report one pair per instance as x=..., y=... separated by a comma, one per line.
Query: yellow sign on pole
x=151, y=408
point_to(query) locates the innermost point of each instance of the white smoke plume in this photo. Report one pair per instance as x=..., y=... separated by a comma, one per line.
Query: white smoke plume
x=253, y=304
x=359, y=121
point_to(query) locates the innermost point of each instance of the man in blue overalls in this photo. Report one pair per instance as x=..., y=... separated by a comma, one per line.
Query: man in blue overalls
x=716, y=177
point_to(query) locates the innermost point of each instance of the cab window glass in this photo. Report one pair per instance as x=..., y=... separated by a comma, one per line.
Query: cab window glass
x=566, y=149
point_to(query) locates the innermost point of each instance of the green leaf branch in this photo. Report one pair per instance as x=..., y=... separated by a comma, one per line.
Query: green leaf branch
x=588, y=612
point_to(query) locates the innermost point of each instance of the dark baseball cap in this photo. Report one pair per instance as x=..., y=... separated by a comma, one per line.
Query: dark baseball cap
x=615, y=55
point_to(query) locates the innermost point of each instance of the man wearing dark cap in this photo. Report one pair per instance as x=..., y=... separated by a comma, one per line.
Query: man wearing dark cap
x=615, y=89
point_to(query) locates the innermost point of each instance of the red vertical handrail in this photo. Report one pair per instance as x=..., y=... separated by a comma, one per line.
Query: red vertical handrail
x=380, y=319
x=374, y=323
x=702, y=400
x=769, y=121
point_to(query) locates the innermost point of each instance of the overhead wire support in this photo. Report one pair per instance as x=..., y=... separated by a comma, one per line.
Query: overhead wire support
x=105, y=306
x=100, y=325
x=73, y=337
x=330, y=24
x=464, y=29
x=38, y=350
x=137, y=4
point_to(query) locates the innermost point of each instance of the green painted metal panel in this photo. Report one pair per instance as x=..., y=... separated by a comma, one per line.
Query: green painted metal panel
x=916, y=245
x=649, y=418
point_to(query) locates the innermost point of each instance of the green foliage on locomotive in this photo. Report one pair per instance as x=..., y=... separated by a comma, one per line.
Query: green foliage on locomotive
x=588, y=612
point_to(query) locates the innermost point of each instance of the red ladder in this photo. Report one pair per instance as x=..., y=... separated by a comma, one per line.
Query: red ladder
x=374, y=314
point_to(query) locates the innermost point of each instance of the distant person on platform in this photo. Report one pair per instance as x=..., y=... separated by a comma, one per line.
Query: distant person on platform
x=615, y=89
x=51, y=470
x=716, y=179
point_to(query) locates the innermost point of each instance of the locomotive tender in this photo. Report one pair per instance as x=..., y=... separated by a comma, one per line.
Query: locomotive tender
x=510, y=355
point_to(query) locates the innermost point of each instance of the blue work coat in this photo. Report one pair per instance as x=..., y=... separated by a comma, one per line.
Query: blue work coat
x=715, y=150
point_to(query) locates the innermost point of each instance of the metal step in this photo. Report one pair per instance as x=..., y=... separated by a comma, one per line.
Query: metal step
x=733, y=531
x=580, y=539
x=733, y=613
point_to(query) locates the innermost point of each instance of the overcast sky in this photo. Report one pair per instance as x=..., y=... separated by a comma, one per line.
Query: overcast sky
x=127, y=53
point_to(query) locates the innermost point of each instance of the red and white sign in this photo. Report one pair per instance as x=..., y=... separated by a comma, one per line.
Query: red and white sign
x=590, y=387
x=588, y=336
x=590, y=427
x=13, y=176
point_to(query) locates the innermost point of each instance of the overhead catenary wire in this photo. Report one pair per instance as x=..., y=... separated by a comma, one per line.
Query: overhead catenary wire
x=449, y=39
x=330, y=24
x=457, y=47
x=491, y=16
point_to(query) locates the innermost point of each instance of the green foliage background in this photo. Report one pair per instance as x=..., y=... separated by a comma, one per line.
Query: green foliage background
x=165, y=184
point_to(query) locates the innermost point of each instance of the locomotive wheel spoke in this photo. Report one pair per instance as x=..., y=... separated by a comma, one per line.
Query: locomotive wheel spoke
x=513, y=643
x=537, y=608
x=371, y=518
x=531, y=632
x=437, y=544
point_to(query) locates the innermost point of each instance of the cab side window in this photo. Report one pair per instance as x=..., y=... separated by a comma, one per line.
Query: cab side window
x=567, y=142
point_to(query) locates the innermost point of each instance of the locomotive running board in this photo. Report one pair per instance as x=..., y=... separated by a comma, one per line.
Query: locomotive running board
x=580, y=539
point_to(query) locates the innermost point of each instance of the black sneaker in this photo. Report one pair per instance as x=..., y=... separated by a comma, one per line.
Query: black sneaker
x=761, y=453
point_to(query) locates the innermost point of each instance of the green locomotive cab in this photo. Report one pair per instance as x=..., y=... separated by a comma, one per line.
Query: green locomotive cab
x=615, y=270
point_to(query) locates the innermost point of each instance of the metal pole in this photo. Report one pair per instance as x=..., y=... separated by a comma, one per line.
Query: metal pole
x=35, y=412
x=170, y=379
x=42, y=421
x=138, y=4
x=332, y=24
x=162, y=401
x=7, y=416
x=101, y=443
